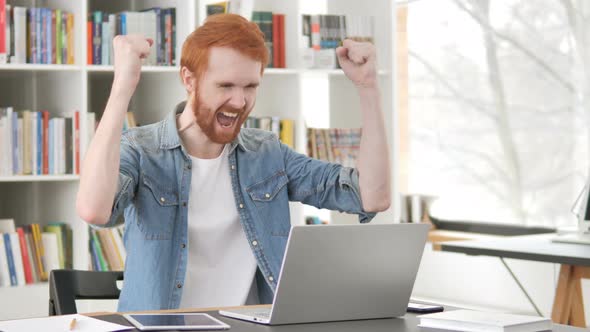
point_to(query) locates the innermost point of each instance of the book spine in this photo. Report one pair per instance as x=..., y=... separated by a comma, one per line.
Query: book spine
x=58, y=37
x=275, y=40
x=25, y=255
x=32, y=252
x=89, y=34
x=44, y=36
x=97, y=38
x=33, y=143
x=3, y=33
x=40, y=251
x=15, y=147
x=20, y=34
x=99, y=252
x=51, y=36
x=39, y=143
x=4, y=273
x=168, y=37
x=70, y=38
x=10, y=260
x=18, y=261
x=105, y=39
x=69, y=146
x=173, y=41
x=45, y=142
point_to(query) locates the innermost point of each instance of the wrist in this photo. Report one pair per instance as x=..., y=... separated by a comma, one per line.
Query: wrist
x=368, y=90
x=122, y=90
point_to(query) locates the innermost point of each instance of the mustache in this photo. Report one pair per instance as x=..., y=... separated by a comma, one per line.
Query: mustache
x=230, y=109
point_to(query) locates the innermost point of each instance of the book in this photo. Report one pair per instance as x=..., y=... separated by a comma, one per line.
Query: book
x=479, y=321
x=17, y=257
x=7, y=226
x=3, y=32
x=51, y=251
x=4, y=273
x=25, y=255
x=10, y=259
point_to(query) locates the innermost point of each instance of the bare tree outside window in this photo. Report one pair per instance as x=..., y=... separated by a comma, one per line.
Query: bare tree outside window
x=499, y=97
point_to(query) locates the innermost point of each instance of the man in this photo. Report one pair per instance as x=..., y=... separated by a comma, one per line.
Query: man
x=205, y=203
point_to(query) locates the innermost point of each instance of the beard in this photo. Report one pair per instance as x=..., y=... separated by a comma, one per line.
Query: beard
x=217, y=127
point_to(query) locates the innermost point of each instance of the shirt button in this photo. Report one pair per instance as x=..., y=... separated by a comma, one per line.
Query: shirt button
x=267, y=195
x=179, y=285
x=255, y=243
x=162, y=199
x=189, y=167
x=271, y=278
x=233, y=167
x=183, y=245
x=241, y=206
x=183, y=203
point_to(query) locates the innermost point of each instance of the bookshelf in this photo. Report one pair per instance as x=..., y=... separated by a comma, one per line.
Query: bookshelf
x=316, y=97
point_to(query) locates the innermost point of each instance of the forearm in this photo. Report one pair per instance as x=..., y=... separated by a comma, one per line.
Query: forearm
x=100, y=168
x=373, y=162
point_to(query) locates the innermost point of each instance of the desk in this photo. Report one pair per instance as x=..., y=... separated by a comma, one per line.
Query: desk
x=408, y=323
x=568, y=305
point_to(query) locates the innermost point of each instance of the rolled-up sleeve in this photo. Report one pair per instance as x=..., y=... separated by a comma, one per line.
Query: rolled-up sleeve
x=127, y=182
x=324, y=185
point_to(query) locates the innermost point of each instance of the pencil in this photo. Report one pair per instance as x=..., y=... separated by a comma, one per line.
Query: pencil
x=73, y=324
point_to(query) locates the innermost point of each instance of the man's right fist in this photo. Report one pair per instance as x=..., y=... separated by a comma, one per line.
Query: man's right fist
x=128, y=51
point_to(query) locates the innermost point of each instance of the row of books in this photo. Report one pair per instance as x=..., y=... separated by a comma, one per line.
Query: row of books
x=283, y=128
x=36, y=35
x=29, y=252
x=322, y=34
x=107, y=252
x=273, y=27
x=271, y=24
x=328, y=31
x=335, y=145
x=159, y=24
x=34, y=143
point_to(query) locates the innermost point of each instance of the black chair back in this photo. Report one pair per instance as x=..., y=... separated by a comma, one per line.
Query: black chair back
x=66, y=286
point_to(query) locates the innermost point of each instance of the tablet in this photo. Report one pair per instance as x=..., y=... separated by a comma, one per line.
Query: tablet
x=196, y=321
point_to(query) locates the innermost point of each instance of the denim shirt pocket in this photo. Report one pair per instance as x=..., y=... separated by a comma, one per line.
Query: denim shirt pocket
x=157, y=209
x=271, y=201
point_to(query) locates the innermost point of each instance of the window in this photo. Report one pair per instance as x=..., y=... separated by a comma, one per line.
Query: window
x=498, y=103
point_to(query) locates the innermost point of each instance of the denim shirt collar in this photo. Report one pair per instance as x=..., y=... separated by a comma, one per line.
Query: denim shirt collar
x=169, y=138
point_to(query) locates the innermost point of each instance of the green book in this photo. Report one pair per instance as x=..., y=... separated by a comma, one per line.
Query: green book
x=104, y=266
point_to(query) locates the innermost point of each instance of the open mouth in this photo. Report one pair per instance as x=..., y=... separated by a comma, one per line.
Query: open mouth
x=226, y=119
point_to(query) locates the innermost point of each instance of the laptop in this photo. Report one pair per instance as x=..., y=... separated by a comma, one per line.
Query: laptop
x=343, y=272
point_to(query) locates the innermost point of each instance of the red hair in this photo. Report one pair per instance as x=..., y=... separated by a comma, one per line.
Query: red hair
x=223, y=30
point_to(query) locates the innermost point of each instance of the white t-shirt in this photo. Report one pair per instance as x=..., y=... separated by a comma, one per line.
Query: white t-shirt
x=221, y=266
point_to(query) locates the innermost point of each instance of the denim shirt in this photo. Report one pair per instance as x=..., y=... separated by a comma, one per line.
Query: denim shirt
x=153, y=192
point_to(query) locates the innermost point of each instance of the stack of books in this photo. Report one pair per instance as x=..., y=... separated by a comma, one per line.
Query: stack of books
x=28, y=253
x=478, y=321
x=107, y=252
x=335, y=145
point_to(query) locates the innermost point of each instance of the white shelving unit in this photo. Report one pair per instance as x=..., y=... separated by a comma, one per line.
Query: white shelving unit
x=320, y=98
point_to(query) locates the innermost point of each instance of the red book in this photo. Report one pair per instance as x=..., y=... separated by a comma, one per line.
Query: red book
x=282, y=60
x=88, y=42
x=275, y=41
x=76, y=142
x=25, y=253
x=3, y=55
x=45, y=115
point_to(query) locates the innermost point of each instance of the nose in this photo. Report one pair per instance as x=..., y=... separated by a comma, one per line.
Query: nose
x=238, y=99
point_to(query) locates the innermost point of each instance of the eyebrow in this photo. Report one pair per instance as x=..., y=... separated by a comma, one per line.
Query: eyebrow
x=255, y=84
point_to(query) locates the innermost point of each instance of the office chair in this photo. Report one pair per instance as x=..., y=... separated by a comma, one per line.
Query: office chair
x=66, y=286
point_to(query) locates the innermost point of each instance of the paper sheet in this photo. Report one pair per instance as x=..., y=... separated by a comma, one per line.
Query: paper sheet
x=61, y=324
